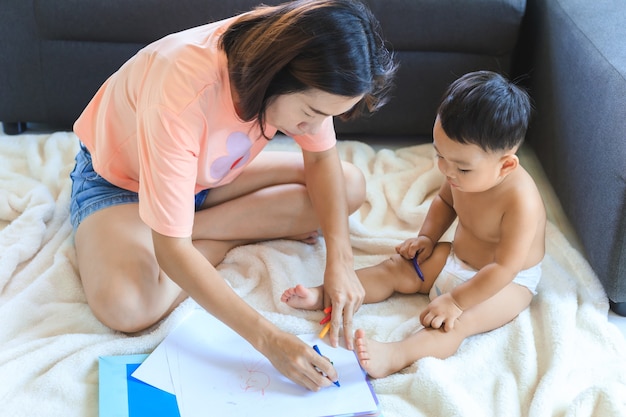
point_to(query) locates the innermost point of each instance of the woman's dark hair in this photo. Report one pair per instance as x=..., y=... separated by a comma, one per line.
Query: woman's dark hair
x=485, y=109
x=331, y=45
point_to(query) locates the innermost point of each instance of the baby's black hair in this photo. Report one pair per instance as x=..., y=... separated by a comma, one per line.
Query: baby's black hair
x=485, y=109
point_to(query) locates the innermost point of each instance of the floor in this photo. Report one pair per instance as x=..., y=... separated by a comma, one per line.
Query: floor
x=553, y=207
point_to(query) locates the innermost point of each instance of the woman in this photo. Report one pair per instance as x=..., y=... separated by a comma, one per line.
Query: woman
x=170, y=176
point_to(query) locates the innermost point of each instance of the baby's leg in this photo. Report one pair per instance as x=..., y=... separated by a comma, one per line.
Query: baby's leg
x=380, y=281
x=382, y=359
x=397, y=274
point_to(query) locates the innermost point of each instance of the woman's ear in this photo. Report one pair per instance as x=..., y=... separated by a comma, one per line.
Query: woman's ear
x=508, y=163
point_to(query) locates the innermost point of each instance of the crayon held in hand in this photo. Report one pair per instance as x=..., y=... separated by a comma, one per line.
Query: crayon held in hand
x=417, y=268
x=320, y=353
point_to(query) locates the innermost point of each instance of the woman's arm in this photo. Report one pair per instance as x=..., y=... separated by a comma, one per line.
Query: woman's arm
x=342, y=288
x=180, y=260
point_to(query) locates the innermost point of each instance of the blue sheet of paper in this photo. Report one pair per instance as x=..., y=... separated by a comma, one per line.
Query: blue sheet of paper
x=121, y=395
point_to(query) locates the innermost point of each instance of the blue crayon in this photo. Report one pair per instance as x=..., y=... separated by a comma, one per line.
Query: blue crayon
x=320, y=353
x=417, y=268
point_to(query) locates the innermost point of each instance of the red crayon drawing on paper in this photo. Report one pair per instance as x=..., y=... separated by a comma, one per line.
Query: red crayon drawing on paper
x=256, y=380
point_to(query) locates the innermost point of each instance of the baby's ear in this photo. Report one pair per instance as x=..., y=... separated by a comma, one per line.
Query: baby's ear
x=508, y=163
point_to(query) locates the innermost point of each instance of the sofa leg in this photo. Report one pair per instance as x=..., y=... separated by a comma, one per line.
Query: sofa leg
x=618, y=308
x=14, y=128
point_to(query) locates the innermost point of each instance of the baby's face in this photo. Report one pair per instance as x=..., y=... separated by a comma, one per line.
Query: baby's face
x=467, y=167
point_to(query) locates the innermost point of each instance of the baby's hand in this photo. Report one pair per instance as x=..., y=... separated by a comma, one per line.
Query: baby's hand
x=421, y=245
x=443, y=310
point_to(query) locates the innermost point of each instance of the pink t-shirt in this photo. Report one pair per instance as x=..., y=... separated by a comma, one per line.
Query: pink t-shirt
x=164, y=125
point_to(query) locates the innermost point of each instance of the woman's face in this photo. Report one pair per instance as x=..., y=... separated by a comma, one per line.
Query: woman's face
x=303, y=113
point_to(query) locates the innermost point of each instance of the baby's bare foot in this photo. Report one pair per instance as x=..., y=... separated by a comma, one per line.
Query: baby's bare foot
x=376, y=358
x=304, y=298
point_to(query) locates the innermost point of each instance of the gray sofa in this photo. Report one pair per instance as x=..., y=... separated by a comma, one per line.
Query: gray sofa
x=574, y=52
x=54, y=55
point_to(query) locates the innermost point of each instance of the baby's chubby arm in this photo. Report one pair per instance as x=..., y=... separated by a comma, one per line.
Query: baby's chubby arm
x=438, y=219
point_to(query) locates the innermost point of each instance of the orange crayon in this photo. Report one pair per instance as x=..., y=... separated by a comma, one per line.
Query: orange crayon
x=324, y=330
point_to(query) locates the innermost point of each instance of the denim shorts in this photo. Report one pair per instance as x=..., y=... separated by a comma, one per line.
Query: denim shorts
x=91, y=192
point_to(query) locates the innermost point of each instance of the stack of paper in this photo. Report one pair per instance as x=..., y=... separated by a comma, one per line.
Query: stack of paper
x=211, y=370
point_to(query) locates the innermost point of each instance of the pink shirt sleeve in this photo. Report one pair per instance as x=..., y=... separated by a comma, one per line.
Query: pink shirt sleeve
x=167, y=167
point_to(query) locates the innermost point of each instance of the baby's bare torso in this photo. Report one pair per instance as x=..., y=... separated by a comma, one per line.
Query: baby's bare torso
x=480, y=220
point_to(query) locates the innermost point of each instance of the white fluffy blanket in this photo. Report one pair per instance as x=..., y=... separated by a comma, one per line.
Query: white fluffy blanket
x=559, y=358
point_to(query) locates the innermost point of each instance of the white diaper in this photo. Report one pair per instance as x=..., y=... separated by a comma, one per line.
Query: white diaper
x=456, y=272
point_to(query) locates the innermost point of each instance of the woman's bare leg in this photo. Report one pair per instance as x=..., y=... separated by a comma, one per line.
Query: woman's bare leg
x=382, y=359
x=269, y=200
x=123, y=283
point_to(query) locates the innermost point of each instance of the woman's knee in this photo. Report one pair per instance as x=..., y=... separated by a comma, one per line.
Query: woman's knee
x=126, y=305
x=355, y=186
x=119, y=310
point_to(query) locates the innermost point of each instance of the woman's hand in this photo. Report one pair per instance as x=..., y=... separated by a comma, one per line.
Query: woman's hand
x=299, y=362
x=344, y=292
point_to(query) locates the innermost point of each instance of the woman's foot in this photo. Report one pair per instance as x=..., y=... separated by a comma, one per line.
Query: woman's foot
x=304, y=298
x=376, y=358
x=310, y=238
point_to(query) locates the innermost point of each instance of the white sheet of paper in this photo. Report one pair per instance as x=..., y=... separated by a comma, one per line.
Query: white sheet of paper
x=210, y=367
x=156, y=370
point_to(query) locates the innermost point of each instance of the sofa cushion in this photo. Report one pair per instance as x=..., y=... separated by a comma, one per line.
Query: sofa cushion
x=488, y=27
x=136, y=21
